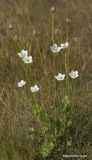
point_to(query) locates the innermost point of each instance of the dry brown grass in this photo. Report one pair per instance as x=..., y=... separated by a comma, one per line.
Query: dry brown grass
x=15, y=108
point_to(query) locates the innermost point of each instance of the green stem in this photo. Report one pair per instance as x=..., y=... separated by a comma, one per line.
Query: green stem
x=40, y=54
x=26, y=73
x=66, y=72
x=52, y=28
x=67, y=32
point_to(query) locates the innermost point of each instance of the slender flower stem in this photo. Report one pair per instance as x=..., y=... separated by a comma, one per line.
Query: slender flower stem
x=54, y=96
x=39, y=51
x=26, y=73
x=67, y=31
x=55, y=92
x=52, y=28
x=66, y=69
x=66, y=61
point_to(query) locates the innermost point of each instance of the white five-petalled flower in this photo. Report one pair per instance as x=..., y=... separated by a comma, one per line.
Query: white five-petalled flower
x=24, y=55
x=73, y=74
x=34, y=88
x=55, y=48
x=64, y=45
x=21, y=83
x=60, y=77
x=27, y=59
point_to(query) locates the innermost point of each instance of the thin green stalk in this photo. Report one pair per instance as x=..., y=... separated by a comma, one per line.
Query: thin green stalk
x=52, y=28
x=26, y=73
x=66, y=71
x=40, y=54
x=66, y=61
x=54, y=82
x=67, y=31
x=55, y=92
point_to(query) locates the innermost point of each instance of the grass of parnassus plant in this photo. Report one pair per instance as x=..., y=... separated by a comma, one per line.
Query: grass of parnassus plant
x=54, y=122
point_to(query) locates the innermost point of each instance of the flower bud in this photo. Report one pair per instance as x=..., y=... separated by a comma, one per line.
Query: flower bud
x=53, y=9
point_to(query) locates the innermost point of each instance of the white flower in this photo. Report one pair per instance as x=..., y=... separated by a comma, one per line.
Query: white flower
x=64, y=45
x=34, y=88
x=73, y=74
x=23, y=53
x=27, y=59
x=55, y=48
x=21, y=83
x=60, y=77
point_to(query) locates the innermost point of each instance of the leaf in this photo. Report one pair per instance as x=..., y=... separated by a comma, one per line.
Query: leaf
x=39, y=112
x=65, y=104
x=46, y=148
